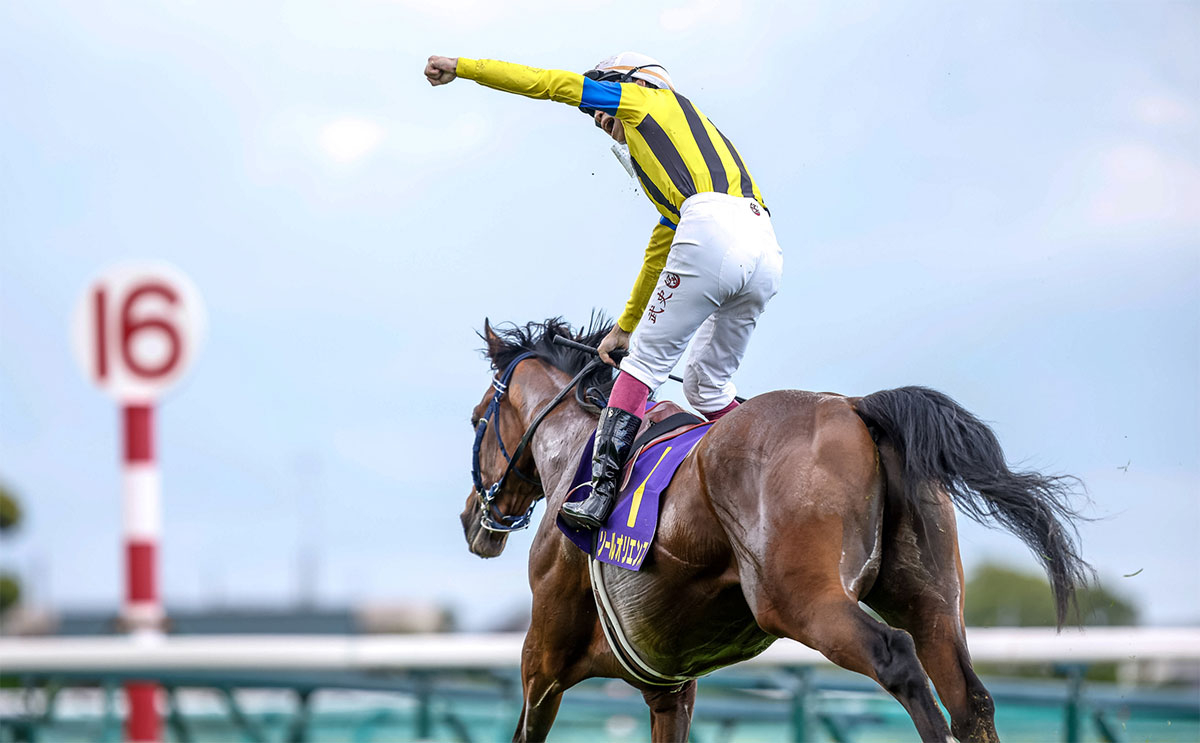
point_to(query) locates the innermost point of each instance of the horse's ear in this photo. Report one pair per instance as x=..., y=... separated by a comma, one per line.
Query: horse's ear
x=493, y=341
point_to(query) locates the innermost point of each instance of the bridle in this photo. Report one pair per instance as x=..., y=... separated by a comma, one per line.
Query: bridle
x=492, y=519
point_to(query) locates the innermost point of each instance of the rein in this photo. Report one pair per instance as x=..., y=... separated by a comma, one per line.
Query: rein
x=492, y=519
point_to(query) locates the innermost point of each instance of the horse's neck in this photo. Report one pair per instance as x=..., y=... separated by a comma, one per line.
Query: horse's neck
x=559, y=438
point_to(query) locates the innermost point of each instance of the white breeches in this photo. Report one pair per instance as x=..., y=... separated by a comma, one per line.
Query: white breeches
x=724, y=266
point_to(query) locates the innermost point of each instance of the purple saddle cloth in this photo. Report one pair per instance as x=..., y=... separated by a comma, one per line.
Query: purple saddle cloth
x=625, y=540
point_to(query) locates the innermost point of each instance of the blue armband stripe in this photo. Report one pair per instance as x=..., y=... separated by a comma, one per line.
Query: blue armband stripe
x=603, y=96
x=666, y=223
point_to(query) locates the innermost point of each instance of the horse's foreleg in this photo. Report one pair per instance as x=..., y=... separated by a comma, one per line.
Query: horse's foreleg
x=542, y=698
x=558, y=647
x=671, y=712
x=546, y=672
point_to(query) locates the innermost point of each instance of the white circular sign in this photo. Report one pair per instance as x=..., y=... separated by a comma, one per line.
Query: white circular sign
x=136, y=330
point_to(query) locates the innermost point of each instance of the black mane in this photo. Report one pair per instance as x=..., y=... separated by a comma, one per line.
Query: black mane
x=511, y=340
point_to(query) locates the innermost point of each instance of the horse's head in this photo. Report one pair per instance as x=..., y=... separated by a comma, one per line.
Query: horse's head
x=506, y=482
x=531, y=370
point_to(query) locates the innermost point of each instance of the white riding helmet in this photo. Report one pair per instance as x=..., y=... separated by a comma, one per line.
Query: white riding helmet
x=629, y=65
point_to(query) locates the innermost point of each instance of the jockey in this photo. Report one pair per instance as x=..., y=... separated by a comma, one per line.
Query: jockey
x=711, y=266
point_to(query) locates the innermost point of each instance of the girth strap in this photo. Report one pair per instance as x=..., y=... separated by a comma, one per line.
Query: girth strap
x=622, y=648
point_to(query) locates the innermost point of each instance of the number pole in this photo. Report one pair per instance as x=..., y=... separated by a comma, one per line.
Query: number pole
x=135, y=331
x=143, y=612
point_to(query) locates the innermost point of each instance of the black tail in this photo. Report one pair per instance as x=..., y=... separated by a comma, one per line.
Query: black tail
x=945, y=446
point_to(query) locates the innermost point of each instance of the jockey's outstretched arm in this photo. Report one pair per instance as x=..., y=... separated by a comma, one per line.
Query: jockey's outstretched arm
x=626, y=101
x=629, y=102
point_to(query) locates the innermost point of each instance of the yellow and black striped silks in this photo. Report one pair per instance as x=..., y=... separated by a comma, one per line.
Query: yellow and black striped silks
x=676, y=150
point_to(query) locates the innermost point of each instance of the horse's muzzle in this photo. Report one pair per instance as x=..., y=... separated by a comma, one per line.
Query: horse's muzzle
x=479, y=540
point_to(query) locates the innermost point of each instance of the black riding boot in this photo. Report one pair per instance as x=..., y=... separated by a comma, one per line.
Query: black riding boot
x=614, y=443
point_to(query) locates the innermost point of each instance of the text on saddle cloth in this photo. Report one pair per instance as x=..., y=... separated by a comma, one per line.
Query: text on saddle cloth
x=625, y=540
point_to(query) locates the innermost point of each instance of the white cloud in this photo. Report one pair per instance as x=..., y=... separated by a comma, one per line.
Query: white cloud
x=1164, y=110
x=697, y=12
x=349, y=138
x=480, y=14
x=461, y=14
x=1139, y=184
x=464, y=132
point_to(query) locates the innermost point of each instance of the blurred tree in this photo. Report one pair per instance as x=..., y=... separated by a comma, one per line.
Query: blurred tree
x=10, y=510
x=10, y=518
x=998, y=596
x=10, y=591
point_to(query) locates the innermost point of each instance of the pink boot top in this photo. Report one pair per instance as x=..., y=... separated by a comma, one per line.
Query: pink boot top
x=629, y=395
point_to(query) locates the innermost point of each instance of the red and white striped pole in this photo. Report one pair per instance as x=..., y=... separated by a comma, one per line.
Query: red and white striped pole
x=143, y=611
x=135, y=331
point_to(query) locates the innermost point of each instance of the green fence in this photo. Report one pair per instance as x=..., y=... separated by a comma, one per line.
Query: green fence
x=801, y=704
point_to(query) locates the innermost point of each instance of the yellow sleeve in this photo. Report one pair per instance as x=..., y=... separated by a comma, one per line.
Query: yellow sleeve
x=626, y=101
x=652, y=266
x=556, y=85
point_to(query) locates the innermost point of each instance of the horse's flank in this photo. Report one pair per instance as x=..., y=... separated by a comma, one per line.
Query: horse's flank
x=687, y=610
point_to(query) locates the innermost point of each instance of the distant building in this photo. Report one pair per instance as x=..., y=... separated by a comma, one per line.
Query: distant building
x=367, y=619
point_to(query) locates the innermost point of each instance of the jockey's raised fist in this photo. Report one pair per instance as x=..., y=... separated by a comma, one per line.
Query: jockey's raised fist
x=441, y=70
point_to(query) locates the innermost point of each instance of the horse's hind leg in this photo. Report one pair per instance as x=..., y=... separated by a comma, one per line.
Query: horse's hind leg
x=920, y=589
x=937, y=629
x=817, y=513
x=942, y=648
x=844, y=633
x=824, y=618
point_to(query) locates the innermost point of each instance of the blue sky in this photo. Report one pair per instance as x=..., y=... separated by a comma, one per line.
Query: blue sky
x=1001, y=201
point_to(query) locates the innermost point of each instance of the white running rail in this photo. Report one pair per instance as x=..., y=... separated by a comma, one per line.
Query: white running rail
x=503, y=651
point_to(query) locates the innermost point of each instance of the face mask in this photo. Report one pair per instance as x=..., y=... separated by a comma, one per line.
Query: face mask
x=622, y=153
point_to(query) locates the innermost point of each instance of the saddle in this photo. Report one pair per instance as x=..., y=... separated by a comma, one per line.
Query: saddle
x=661, y=419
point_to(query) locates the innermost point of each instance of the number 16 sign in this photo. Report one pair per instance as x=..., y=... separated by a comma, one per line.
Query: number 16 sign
x=136, y=330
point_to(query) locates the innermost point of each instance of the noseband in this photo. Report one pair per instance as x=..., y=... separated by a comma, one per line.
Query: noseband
x=492, y=519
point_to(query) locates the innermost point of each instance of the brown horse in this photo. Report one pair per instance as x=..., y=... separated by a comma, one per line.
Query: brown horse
x=791, y=510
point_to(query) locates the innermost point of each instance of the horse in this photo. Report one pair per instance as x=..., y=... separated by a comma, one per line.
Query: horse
x=793, y=509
